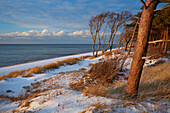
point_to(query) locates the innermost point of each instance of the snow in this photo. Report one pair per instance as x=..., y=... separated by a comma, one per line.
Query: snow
x=63, y=99
x=16, y=84
x=5, y=70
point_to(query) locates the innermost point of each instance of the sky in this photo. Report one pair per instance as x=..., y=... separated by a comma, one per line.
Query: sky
x=54, y=21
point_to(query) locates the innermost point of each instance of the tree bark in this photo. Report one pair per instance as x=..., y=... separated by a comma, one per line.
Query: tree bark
x=93, y=46
x=163, y=42
x=140, y=48
x=133, y=35
x=166, y=43
x=126, y=44
x=111, y=44
x=109, y=41
x=98, y=45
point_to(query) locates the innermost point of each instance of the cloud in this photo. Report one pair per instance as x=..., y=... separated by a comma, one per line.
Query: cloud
x=44, y=33
x=60, y=33
x=80, y=33
x=59, y=14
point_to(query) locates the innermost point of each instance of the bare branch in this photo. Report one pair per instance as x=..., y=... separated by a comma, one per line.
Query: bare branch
x=143, y=3
x=162, y=8
x=164, y=1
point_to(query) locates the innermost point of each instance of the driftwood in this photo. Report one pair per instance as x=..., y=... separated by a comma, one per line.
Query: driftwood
x=156, y=41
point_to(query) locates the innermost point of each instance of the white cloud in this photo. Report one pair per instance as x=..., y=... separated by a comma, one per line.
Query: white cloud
x=80, y=33
x=60, y=33
x=45, y=32
x=42, y=33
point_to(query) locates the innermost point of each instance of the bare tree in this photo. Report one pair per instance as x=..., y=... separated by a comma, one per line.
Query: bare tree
x=133, y=35
x=116, y=22
x=127, y=36
x=95, y=24
x=111, y=22
x=120, y=41
x=141, y=47
x=93, y=30
x=101, y=20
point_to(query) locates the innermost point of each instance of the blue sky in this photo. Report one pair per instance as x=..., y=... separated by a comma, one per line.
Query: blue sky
x=54, y=21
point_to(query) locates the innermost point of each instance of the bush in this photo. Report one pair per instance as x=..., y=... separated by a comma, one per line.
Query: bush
x=101, y=74
x=104, y=71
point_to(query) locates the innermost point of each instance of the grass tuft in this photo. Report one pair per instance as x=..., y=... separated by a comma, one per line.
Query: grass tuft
x=35, y=70
x=40, y=69
x=70, y=61
x=12, y=74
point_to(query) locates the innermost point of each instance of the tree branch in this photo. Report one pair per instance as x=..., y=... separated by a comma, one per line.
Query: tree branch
x=164, y=1
x=161, y=8
x=143, y=3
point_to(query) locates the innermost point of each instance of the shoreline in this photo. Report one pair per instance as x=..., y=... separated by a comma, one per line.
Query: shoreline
x=42, y=60
x=7, y=69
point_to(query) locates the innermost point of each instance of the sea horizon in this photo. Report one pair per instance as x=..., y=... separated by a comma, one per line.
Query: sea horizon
x=14, y=54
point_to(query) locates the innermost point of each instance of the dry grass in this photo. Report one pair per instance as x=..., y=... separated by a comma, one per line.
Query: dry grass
x=97, y=91
x=54, y=65
x=93, y=57
x=27, y=102
x=155, y=82
x=100, y=80
x=70, y=61
x=107, y=54
x=156, y=79
x=84, y=57
x=12, y=74
x=35, y=70
x=99, y=77
x=21, y=96
x=40, y=69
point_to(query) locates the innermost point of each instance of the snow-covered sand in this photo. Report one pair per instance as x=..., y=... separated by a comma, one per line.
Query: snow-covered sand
x=7, y=69
x=62, y=99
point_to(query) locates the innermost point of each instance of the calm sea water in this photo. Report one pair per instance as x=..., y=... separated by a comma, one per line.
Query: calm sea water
x=11, y=54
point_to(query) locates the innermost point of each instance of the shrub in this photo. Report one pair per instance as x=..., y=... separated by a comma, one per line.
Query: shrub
x=101, y=73
x=104, y=71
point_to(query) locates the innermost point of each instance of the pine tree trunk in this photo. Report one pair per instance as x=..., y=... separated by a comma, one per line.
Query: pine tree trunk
x=140, y=48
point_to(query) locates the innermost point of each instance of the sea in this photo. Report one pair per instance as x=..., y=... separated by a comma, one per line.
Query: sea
x=11, y=54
